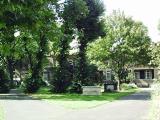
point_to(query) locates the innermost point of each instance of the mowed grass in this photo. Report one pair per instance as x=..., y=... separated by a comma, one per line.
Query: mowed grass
x=78, y=101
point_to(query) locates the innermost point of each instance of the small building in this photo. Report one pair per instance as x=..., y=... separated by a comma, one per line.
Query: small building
x=145, y=76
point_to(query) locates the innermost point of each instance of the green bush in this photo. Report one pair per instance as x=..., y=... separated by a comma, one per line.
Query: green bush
x=4, y=82
x=126, y=86
x=59, y=83
x=75, y=88
x=31, y=85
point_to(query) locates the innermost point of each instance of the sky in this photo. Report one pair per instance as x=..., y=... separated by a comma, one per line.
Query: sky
x=146, y=11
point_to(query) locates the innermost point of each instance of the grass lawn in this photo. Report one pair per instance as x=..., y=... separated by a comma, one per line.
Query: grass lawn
x=1, y=113
x=77, y=101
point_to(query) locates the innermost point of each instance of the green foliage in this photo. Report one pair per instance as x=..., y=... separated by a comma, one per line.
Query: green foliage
x=70, y=12
x=44, y=90
x=130, y=77
x=36, y=27
x=94, y=76
x=4, y=82
x=74, y=10
x=125, y=45
x=75, y=88
x=90, y=28
x=60, y=83
x=125, y=86
x=92, y=25
x=31, y=85
x=155, y=50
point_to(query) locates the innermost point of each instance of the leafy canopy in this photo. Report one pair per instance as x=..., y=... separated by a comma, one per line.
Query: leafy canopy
x=126, y=44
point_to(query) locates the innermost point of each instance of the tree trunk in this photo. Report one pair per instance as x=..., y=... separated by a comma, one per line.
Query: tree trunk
x=10, y=69
x=63, y=73
x=82, y=62
x=37, y=69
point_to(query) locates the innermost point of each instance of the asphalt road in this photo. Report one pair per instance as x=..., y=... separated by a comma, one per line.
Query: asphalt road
x=133, y=107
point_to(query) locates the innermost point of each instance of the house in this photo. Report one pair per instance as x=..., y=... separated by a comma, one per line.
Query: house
x=143, y=76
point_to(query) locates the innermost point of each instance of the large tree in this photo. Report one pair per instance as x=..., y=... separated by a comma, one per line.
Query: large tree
x=36, y=20
x=155, y=50
x=9, y=21
x=90, y=28
x=69, y=12
x=125, y=45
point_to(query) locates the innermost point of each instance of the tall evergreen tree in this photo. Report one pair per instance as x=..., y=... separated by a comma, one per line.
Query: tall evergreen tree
x=91, y=28
x=70, y=11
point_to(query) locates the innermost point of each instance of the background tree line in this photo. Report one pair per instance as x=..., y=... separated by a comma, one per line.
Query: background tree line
x=32, y=30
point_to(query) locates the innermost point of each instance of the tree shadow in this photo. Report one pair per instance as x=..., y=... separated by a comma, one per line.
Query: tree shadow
x=138, y=96
x=109, y=96
x=16, y=97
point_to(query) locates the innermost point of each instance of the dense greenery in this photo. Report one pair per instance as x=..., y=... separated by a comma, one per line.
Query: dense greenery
x=4, y=82
x=73, y=11
x=155, y=48
x=125, y=45
x=36, y=34
x=90, y=27
x=36, y=27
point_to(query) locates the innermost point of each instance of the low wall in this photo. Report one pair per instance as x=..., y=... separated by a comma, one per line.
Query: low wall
x=91, y=90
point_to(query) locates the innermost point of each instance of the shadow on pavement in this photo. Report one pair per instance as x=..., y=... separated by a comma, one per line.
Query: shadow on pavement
x=16, y=97
x=146, y=95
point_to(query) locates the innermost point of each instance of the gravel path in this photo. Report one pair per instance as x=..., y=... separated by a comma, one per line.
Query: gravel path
x=133, y=107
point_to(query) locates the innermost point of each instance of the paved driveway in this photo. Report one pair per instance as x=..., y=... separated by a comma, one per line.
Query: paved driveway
x=133, y=107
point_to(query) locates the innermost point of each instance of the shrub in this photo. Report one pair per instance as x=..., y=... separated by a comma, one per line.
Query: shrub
x=4, y=82
x=31, y=85
x=93, y=76
x=59, y=83
x=126, y=86
x=75, y=88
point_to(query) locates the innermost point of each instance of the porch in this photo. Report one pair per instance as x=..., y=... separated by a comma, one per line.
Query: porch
x=144, y=77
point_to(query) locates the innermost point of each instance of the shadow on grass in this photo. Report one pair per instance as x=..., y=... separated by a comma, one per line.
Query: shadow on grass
x=110, y=96
x=16, y=97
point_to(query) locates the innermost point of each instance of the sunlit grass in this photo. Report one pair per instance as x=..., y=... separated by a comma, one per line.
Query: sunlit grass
x=78, y=101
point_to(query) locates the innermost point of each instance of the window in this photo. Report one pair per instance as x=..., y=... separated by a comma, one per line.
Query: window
x=148, y=74
x=108, y=75
x=137, y=75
